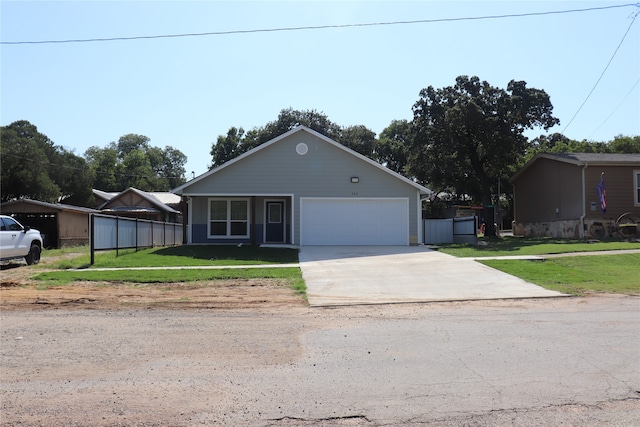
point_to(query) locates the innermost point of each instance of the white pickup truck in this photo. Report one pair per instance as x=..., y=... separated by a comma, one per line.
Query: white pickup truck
x=18, y=242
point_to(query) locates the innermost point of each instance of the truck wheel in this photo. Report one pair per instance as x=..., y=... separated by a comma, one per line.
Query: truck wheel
x=33, y=257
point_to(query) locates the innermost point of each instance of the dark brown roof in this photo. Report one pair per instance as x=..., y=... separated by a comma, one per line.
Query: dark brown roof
x=596, y=158
x=581, y=159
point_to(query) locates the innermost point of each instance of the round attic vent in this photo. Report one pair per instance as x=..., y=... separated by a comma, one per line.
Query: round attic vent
x=302, y=149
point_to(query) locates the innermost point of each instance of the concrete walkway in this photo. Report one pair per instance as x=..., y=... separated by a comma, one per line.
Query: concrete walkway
x=345, y=275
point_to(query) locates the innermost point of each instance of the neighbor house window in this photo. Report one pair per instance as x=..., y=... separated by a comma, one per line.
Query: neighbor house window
x=636, y=187
x=228, y=217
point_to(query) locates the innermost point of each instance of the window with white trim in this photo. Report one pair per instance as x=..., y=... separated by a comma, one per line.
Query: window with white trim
x=228, y=217
x=636, y=187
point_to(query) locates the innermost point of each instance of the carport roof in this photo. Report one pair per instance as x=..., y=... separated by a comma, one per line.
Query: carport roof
x=53, y=206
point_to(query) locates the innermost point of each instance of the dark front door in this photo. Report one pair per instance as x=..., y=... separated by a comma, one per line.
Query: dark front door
x=274, y=222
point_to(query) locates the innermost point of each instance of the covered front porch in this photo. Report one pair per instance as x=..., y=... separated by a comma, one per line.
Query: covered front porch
x=258, y=219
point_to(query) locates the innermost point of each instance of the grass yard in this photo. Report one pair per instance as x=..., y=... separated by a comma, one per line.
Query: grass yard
x=74, y=265
x=579, y=275
x=533, y=246
x=177, y=256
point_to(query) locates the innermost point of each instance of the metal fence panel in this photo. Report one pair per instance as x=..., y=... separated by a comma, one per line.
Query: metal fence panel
x=145, y=233
x=104, y=233
x=450, y=230
x=438, y=231
x=465, y=230
x=170, y=233
x=126, y=233
x=158, y=234
x=110, y=232
x=464, y=225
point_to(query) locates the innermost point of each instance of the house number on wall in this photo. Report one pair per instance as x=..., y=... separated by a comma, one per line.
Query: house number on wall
x=355, y=193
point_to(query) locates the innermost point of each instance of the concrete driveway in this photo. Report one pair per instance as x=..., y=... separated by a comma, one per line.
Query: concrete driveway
x=345, y=275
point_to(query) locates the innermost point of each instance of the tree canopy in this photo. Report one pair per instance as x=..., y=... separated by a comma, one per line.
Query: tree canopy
x=393, y=144
x=469, y=135
x=133, y=162
x=558, y=143
x=34, y=167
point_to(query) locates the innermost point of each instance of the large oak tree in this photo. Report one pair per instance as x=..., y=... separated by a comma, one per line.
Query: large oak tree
x=471, y=134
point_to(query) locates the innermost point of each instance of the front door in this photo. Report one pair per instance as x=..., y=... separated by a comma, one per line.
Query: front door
x=274, y=222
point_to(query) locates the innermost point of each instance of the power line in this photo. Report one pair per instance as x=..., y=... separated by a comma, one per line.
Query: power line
x=319, y=27
x=616, y=109
x=635, y=15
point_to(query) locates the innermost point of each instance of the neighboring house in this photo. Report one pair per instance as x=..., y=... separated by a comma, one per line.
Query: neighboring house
x=60, y=225
x=140, y=204
x=303, y=188
x=101, y=197
x=556, y=194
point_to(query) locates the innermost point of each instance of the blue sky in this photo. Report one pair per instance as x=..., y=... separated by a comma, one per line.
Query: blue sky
x=184, y=92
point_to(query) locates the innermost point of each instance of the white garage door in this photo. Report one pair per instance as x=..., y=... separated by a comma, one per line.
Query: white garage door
x=345, y=221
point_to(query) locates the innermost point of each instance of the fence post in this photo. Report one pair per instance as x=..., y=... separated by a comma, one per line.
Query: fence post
x=92, y=237
x=117, y=236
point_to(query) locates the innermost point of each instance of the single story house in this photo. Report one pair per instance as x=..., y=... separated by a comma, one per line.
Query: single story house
x=60, y=225
x=140, y=204
x=302, y=188
x=562, y=194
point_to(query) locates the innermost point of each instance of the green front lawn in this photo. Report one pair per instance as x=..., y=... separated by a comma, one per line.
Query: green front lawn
x=580, y=274
x=532, y=246
x=180, y=256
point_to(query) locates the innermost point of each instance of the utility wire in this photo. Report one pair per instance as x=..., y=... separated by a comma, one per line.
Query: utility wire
x=319, y=27
x=616, y=109
x=635, y=15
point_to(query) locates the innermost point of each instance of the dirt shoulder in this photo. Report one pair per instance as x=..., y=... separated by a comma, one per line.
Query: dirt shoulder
x=19, y=292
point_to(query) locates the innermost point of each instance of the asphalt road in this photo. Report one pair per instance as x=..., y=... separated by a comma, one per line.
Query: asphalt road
x=567, y=361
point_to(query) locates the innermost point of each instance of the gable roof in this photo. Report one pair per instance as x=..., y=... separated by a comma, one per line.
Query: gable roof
x=301, y=128
x=163, y=196
x=585, y=159
x=153, y=200
x=106, y=195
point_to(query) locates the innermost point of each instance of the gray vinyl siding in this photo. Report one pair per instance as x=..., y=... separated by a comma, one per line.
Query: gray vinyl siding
x=325, y=171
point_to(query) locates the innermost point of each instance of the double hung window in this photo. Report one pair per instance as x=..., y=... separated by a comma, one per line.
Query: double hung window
x=228, y=217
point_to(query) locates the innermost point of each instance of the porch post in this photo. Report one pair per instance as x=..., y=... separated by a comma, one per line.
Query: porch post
x=253, y=220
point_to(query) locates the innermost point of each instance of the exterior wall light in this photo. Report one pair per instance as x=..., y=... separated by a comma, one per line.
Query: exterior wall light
x=355, y=179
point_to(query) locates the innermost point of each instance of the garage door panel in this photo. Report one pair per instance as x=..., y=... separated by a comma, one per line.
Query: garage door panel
x=355, y=221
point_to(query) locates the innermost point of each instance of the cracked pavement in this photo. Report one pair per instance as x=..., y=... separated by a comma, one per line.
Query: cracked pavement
x=570, y=361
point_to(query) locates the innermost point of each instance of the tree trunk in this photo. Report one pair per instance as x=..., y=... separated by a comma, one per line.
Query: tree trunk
x=479, y=168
